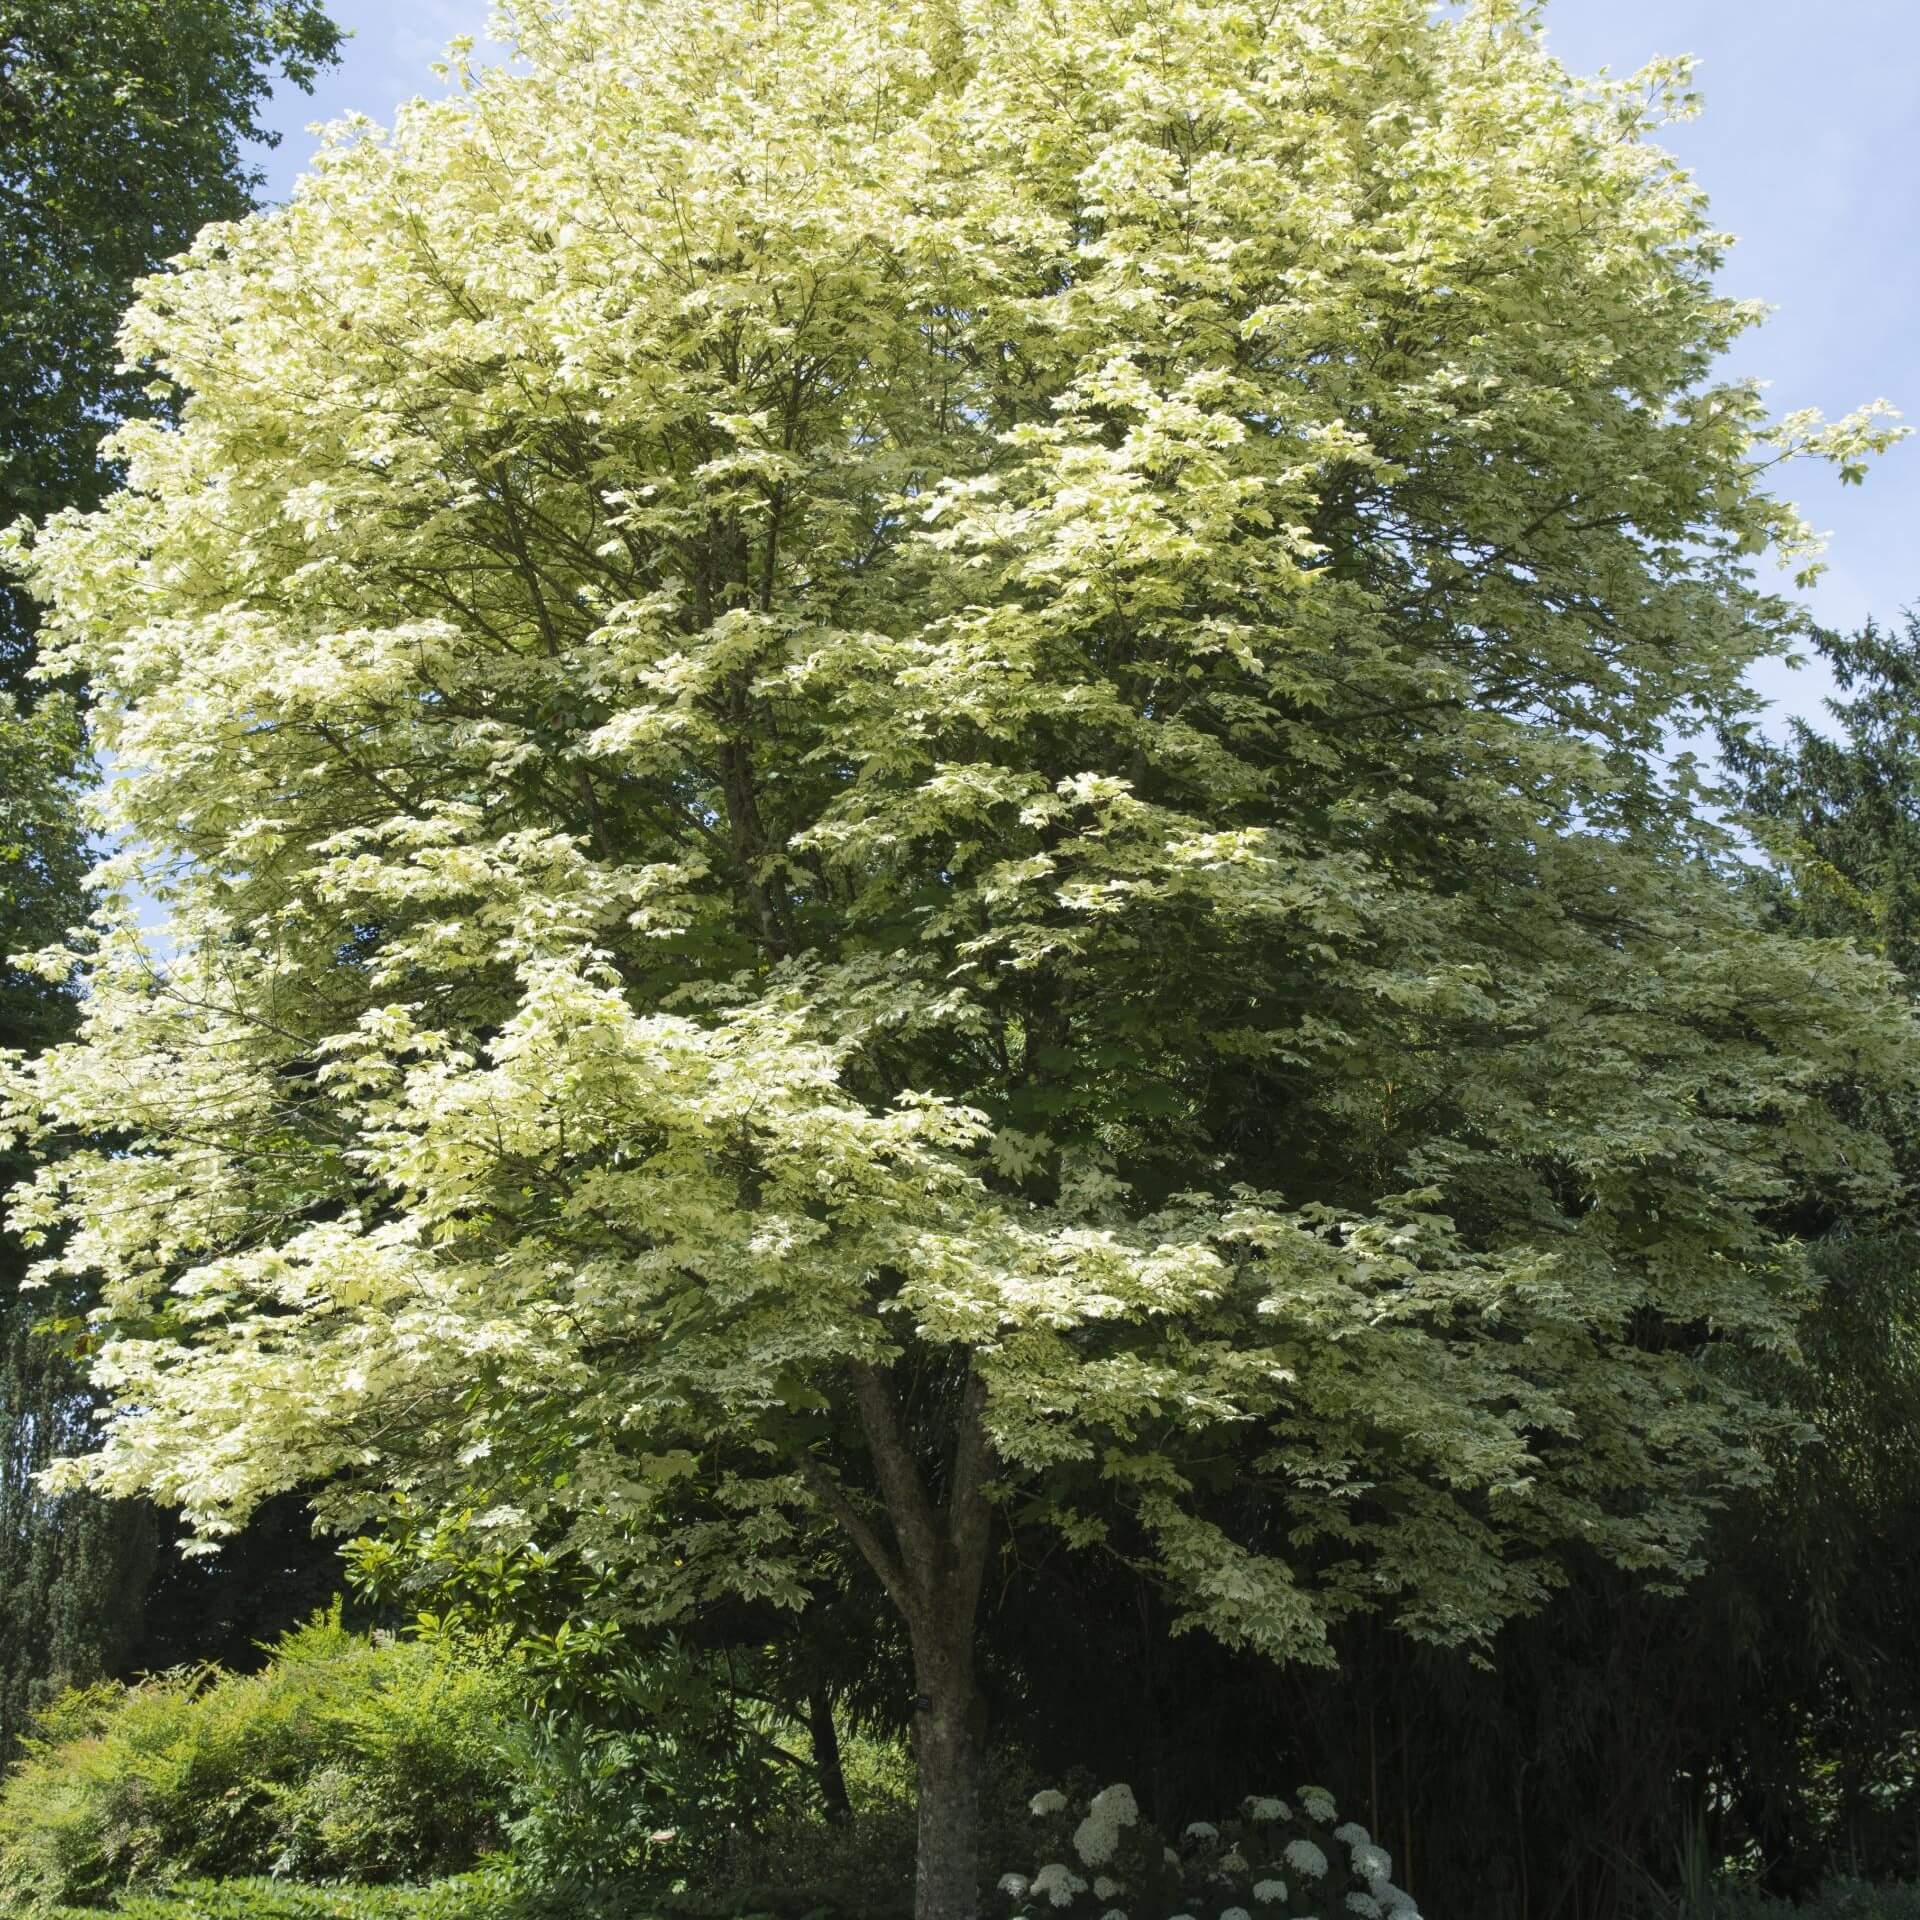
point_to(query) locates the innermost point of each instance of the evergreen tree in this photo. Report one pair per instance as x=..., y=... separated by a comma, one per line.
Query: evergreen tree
x=1838, y=807
x=1825, y=1567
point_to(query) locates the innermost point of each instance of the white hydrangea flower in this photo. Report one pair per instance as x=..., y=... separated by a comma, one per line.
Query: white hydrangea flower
x=1270, y=1892
x=1352, y=1834
x=1094, y=1840
x=1013, y=1885
x=1398, y=1903
x=1365, y=1905
x=1234, y=1862
x=1371, y=1862
x=1202, y=1830
x=1172, y=1859
x=1305, y=1859
x=1114, y=1913
x=1115, y=1805
x=1106, y=1889
x=1235, y=1913
x=1052, y=1800
x=1264, y=1807
x=1319, y=1804
x=1059, y=1883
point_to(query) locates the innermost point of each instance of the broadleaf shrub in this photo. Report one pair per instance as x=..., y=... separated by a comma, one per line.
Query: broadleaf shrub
x=657, y=1767
x=365, y=1759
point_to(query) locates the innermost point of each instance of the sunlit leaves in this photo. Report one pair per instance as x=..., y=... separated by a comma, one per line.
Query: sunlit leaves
x=978, y=684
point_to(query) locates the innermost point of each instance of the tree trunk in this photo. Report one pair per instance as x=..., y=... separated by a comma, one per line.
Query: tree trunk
x=932, y=1570
x=949, y=1729
x=826, y=1754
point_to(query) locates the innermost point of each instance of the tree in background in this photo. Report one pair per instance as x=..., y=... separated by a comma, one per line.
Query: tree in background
x=71, y=1568
x=910, y=769
x=122, y=124
x=1838, y=808
x=1828, y=1565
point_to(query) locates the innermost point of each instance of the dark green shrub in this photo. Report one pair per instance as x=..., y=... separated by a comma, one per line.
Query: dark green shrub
x=346, y=1757
x=1837, y=1900
x=665, y=1772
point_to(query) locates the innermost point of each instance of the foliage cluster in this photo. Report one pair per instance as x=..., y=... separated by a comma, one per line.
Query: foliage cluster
x=375, y=1760
x=1839, y=1899
x=379, y=1761
x=639, y=1747
x=660, y=1768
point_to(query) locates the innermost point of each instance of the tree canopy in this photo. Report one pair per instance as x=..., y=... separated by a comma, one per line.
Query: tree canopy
x=910, y=765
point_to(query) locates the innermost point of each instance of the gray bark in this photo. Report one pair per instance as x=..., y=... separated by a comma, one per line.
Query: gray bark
x=932, y=1571
x=949, y=1739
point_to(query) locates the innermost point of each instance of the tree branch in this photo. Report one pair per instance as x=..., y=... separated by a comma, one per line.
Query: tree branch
x=969, y=1518
x=873, y=1549
x=916, y=1525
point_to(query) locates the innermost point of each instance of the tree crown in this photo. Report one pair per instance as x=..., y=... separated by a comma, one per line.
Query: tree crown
x=970, y=695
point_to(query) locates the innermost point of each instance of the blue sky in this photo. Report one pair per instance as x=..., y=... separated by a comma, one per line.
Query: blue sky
x=1807, y=144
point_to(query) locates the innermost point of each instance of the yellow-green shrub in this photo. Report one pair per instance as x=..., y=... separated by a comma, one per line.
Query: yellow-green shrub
x=349, y=1756
x=486, y=1895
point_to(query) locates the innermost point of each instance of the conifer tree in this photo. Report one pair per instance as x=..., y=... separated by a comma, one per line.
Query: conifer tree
x=1837, y=805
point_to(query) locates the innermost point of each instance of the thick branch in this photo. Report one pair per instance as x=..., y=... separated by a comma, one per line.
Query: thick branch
x=873, y=1550
x=749, y=835
x=914, y=1521
x=969, y=1518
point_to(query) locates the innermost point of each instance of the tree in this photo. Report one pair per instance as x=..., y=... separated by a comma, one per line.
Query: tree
x=1825, y=1563
x=70, y=1568
x=121, y=123
x=909, y=767
x=122, y=126
x=1841, y=815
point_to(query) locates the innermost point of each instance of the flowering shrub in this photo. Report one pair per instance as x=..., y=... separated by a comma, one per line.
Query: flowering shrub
x=1275, y=1861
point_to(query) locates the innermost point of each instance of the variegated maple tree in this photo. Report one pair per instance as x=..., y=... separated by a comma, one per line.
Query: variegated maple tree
x=911, y=764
